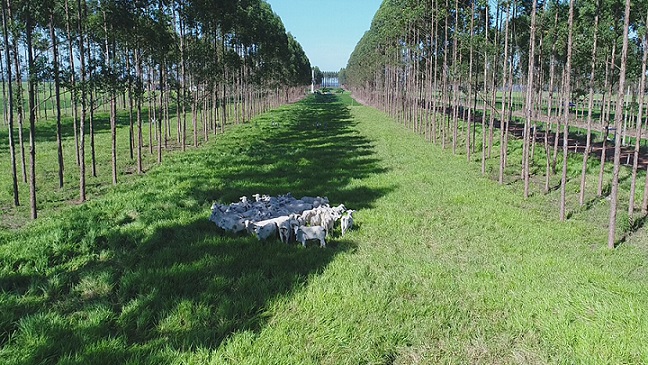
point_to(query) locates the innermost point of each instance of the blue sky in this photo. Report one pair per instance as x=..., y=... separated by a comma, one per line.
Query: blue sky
x=328, y=30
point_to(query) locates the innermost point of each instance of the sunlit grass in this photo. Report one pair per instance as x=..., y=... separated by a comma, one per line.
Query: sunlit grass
x=444, y=266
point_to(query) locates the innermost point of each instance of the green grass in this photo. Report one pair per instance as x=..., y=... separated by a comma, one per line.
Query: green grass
x=49, y=197
x=444, y=266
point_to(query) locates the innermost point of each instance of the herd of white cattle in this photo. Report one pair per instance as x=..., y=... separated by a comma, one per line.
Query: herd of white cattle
x=283, y=217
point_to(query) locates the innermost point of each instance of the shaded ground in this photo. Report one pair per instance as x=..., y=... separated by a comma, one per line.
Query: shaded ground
x=141, y=274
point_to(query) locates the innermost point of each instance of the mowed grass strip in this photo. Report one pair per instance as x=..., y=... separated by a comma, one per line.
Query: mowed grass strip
x=452, y=268
x=444, y=266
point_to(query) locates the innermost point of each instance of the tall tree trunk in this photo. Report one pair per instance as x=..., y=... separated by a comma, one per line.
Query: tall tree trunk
x=92, y=98
x=445, y=95
x=552, y=75
x=57, y=96
x=131, y=106
x=194, y=113
x=491, y=119
x=618, y=122
x=32, y=114
x=139, y=96
x=635, y=161
x=151, y=108
x=606, y=120
x=470, y=88
x=82, y=166
x=19, y=98
x=529, y=101
x=503, y=114
x=435, y=89
x=183, y=84
x=455, y=79
x=161, y=118
x=113, y=106
x=10, y=112
x=485, y=93
x=565, y=102
x=590, y=106
x=5, y=106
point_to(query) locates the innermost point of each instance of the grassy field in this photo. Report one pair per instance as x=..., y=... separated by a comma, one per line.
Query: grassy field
x=444, y=266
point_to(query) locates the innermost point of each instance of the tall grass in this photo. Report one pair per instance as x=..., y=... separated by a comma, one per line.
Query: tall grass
x=444, y=266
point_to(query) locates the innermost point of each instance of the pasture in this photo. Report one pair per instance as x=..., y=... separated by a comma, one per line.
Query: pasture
x=444, y=266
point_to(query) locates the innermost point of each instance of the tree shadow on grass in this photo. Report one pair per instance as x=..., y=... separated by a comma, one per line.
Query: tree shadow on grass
x=311, y=149
x=142, y=277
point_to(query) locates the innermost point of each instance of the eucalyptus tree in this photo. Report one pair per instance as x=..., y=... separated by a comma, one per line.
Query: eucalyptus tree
x=528, y=104
x=486, y=64
x=610, y=34
x=642, y=87
x=30, y=25
x=82, y=59
x=565, y=102
x=16, y=29
x=10, y=97
x=51, y=10
x=71, y=82
x=506, y=80
x=29, y=14
x=107, y=17
x=590, y=102
x=618, y=119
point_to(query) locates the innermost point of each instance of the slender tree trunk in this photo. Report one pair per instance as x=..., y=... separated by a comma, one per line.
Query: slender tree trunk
x=565, y=101
x=470, y=89
x=559, y=112
x=140, y=92
x=183, y=84
x=131, y=106
x=5, y=106
x=161, y=118
x=590, y=105
x=635, y=162
x=10, y=112
x=485, y=93
x=618, y=122
x=19, y=99
x=92, y=98
x=82, y=166
x=445, y=95
x=606, y=118
x=194, y=113
x=151, y=108
x=57, y=96
x=491, y=119
x=552, y=74
x=503, y=115
x=32, y=115
x=113, y=106
x=435, y=89
x=455, y=80
x=529, y=101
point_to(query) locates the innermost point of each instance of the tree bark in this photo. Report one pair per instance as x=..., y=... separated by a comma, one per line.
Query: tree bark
x=32, y=114
x=82, y=166
x=529, y=101
x=565, y=102
x=618, y=122
x=113, y=106
x=10, y=114
x=503, y=115
x=19, y=99
x=590, y=106
x=57, y=96
x=635, y=162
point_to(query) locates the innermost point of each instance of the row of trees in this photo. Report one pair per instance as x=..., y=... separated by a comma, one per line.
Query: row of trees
x=536, y=67
x=224, y=60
